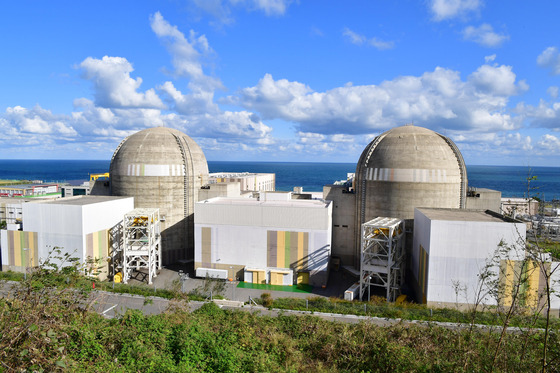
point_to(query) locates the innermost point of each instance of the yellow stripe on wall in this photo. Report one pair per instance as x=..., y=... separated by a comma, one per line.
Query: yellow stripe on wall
x=300, y=248
x=17, y=249
x=95, y=245
x=533, y=274
x=17, y=242
x=508, y=271
x=102, y=244
x=31, y=240
x=281, y=249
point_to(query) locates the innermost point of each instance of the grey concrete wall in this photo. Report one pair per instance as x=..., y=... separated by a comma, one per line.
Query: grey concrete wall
x=225, y=189
x=344, y=213
x=484, y=199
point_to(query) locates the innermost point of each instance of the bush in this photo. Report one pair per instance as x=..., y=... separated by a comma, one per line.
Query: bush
x=266, y=300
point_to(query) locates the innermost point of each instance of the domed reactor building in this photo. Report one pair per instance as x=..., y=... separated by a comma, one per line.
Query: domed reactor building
x=403, y=168
x=408, y=167
x=163, y=168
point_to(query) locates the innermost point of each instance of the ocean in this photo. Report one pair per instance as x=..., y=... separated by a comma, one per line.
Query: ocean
x=510, y=180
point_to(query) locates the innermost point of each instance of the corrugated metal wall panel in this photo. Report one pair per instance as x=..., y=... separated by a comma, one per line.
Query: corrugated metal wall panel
x=262, y=215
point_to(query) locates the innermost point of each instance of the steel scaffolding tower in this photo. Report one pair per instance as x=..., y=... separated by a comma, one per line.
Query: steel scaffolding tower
x=382, y=256
x=141, y=243
x=115, y=249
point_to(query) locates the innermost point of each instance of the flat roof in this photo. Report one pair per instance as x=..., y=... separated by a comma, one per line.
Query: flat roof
x=477, y=189
x=83, y=200
x=237, y=174
x=464, y=215
x=25, y=186
x=517, y=199
x=309, y=203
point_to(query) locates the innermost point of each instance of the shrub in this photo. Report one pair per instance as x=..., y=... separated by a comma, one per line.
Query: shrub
x=266, y=300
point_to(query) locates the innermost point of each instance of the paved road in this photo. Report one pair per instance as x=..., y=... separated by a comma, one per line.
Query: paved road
x=112, y=305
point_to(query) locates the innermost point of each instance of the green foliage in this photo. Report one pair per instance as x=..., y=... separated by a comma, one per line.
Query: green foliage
x=45, y=326
x=11, y=276
x=266, y=300
x=211, y=287
x=211, y=339
x=549, y=246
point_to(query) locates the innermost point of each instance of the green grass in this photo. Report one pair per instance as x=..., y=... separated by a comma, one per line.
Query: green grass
x=375, y=308
x=14, y=182
x=551, y=247
x=45, y=327
x=58, y=338
x=290, y=289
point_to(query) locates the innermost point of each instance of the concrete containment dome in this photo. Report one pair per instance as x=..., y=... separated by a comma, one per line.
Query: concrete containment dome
x=162, y=168
x=408, y=167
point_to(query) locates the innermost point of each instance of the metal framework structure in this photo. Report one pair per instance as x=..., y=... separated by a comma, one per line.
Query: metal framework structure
x=141, y=243
x=382, y=256
x=116, y=249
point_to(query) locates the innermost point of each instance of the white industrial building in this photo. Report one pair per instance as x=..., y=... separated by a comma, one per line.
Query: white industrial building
x=11, y=210
x=29, y=190
x=273, y=239
x=78, y=226
x=248, y=181
x=519, y=206
x=451, y=247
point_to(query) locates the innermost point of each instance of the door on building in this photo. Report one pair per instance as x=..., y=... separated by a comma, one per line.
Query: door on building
x=259, y=277
x=275, y=278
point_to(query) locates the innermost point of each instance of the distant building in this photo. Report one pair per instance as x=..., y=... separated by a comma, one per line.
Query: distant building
x=29, y=190
x=75, y=190
x=247, y=181
x=484, y=199
x=273, y=239
x=229, y=189
x=519, y=206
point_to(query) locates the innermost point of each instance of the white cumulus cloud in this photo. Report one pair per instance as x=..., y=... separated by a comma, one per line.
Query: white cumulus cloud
x=436, y=99
x=550, y=59
x=544, y=115
x=38, y=121
x=496, y=80
x=358, y=39
x=222, y=10
x=113, y=86
x=448, y=9
x=186, y=53
x=553, y=91
x=550, y=144
x=484, y=35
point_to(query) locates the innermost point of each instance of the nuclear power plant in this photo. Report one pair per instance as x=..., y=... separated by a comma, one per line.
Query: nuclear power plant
x=163, y=168
x=405, y=223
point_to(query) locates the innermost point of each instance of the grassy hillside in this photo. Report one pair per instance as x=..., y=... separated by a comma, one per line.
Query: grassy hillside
x=59, y=335
x=46, y=326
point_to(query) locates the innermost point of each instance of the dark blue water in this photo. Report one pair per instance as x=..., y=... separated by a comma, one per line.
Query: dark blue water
x=510, y=180
x=310, y=176
x=51, y=170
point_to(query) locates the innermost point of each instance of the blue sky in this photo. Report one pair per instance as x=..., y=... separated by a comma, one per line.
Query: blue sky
x=280, y=80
